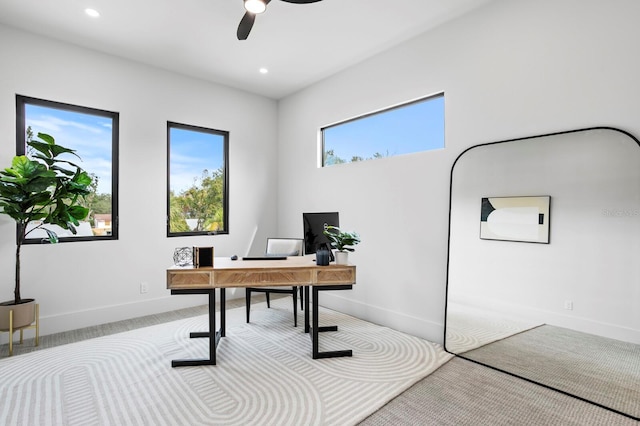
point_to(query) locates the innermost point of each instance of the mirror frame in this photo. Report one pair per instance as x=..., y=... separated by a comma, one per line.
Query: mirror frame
x=449, y=257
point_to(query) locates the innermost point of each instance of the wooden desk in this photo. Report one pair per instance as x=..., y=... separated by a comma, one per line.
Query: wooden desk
x=227, y=273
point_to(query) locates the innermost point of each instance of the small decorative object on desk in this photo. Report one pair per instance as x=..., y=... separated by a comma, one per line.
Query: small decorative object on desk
x=322, y=256
x=183, y=256
x=341, y=241
x=203, y=257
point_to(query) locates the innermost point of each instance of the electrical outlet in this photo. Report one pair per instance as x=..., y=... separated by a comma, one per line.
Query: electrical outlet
x=568, y=305
x=144, y=287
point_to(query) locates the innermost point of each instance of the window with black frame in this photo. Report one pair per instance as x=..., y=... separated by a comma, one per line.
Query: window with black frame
x=93, y=135
x=197, y=180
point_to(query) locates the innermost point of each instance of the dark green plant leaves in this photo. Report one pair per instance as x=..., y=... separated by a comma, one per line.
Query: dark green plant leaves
x=44, y=188
x=341, y=240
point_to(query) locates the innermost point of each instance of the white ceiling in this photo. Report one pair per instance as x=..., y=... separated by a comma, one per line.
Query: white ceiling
x=299, y=44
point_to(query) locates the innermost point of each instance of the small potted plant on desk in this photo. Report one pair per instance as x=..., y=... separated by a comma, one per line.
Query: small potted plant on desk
x=39, y=189
x=341, y=241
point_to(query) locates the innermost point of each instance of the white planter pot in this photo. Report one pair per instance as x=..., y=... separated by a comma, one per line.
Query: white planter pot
x=342, y=257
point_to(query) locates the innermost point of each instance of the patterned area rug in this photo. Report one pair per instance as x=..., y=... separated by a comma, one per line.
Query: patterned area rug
x=265, y=374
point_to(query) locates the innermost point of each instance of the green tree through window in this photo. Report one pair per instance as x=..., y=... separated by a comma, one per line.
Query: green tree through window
x=198, y=196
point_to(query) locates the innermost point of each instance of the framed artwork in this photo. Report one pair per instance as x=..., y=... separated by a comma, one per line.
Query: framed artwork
x=522, y=219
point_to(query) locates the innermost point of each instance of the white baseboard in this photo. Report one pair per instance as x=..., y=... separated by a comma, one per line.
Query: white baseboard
x=58, y=323
x=428, y=330
x=559, y=319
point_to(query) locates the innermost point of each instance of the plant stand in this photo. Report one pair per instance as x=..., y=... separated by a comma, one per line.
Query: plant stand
x=19, y=318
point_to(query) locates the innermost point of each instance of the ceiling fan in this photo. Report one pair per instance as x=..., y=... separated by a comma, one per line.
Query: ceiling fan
x=254, y=7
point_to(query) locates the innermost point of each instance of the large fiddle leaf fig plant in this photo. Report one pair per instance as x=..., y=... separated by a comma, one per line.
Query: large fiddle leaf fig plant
x=40, y=189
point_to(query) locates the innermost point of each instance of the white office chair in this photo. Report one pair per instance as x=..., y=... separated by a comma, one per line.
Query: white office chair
x=280, y=247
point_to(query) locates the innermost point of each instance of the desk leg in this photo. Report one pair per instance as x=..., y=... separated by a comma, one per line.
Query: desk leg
x=213, y=334
x=306, y=309
x=315, y=327
x=223, y=312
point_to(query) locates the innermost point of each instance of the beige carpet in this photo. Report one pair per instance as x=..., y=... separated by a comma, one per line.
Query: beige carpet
x=598, y=369
x=265, y=375
x=462, y=393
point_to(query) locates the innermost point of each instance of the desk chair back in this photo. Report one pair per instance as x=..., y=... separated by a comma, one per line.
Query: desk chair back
x=280, y=247
x=284, y=247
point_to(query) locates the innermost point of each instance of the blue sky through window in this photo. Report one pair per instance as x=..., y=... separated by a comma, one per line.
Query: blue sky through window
x=414, y=127
x=191, y=153
x=90, y=135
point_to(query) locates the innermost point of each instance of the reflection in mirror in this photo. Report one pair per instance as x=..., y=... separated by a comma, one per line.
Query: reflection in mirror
x=565, y=314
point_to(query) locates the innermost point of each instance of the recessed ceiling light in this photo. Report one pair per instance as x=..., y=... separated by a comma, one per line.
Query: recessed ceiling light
x=263, y=70
x=92, y=12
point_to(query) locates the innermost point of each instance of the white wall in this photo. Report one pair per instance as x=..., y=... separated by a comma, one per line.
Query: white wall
x=86, y=283
x=511, y=69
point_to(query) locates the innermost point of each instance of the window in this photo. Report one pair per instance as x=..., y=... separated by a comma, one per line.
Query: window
x=198, y=200
x=412, y=127
x=93, y=134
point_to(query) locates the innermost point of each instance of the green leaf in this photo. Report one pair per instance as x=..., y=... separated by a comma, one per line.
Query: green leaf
x=22, y=166
x=47, y=138
x=42, y=148
x=9, y=175
x=83, y=179
x=78, y=212
x=62, y=170
x=57, y=150
x=49, y=149
x=53, y=237
x=40, y=185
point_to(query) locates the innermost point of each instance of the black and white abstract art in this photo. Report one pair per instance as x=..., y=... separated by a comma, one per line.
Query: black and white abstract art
x=523, y=219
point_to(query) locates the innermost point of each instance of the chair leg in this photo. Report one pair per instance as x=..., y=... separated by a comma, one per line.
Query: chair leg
x=247, y=296
x=268, y=301
x=294, y=293
x=301, y=298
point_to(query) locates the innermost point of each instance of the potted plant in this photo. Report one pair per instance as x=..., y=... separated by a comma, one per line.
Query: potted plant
x=341, y=241
x=39, y=189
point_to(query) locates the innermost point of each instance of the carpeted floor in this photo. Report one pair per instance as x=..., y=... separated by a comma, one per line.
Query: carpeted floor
x=458, y=393
x=598, y=369
x=264, y=376
x=463, y=393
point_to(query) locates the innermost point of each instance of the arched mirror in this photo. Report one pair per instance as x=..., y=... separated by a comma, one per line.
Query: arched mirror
x=543, y=274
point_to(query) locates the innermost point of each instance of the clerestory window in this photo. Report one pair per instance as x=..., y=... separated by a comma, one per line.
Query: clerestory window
x=403, y=129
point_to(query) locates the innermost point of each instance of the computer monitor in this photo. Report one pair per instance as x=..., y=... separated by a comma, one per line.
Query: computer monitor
x=314, y=224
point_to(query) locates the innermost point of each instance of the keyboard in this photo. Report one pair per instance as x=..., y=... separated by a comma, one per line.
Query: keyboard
x=264, y=258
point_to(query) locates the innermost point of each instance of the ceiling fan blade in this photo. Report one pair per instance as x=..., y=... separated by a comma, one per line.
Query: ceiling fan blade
x=301, y=1
x=246, y=23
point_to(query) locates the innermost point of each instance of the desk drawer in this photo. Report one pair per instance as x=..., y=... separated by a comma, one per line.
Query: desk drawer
x=262, y=278
x=336, y=276
x=188, y=279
